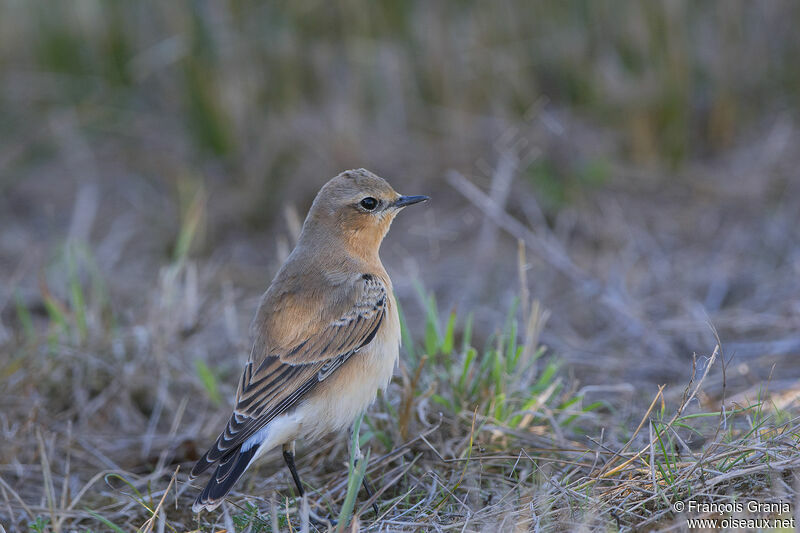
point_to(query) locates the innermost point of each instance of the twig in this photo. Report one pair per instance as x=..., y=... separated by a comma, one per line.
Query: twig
x=148, y=526
x=550, y=251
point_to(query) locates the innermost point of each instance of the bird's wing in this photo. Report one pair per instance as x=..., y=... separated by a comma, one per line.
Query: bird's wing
x=272, y=385
x=348, y=326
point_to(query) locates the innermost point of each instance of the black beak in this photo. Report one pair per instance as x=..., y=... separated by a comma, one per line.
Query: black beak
x=403, y=201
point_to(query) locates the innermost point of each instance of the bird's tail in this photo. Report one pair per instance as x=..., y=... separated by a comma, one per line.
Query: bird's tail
x=229, y=470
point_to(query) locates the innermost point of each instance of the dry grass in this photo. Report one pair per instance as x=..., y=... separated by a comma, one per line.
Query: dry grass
x=599, y=305
x=465, y=439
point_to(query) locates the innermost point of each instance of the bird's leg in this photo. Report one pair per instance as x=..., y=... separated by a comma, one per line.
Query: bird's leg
x=365, y=480
x=288, y=456
x=370, y=492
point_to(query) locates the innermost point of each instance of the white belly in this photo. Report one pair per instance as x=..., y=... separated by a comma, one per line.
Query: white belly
x=350, y=391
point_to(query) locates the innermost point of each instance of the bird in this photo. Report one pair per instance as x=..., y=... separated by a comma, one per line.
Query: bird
x=326, y=335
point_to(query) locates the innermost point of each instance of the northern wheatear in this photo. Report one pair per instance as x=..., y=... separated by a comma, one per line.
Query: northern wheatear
x=327, y=334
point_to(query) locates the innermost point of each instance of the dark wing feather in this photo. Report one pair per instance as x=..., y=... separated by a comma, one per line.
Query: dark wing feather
x=280, y=380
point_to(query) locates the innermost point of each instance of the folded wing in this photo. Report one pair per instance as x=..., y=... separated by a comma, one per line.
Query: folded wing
x=277, y=381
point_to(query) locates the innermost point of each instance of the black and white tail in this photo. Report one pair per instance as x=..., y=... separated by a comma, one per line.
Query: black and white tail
x=229, y=470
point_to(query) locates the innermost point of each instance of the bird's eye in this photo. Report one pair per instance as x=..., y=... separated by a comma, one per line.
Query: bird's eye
x=369, y=203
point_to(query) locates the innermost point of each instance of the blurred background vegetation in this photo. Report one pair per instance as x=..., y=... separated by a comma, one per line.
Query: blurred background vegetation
x=266, y=95
x=129, y=123
x=157, y=158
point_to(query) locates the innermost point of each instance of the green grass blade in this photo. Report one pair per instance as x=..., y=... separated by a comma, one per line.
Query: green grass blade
x=355, y=476
x=449, y=335
x=114, y=527
x=209, y=381
x=76, y=297
x=24, y=317
x=405, y=335
x=467, y=338
x=469, y=357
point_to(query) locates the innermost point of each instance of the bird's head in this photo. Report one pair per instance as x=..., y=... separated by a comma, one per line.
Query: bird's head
x=357, y=206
